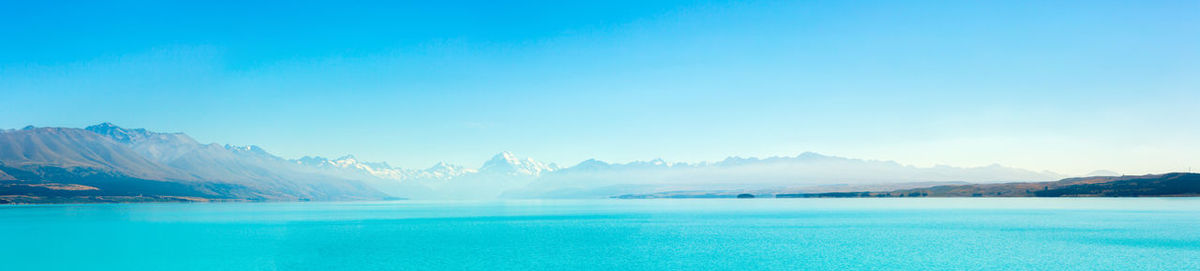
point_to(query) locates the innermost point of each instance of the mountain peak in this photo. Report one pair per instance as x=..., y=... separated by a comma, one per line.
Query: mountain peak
x=654, y=163
x=442, y=171
x=254, y=149
x=104, y=125
x=312, y=161
x=590, y=165
x=810, y=154
x=507, y=163
x=119, y=134
x=506, y=157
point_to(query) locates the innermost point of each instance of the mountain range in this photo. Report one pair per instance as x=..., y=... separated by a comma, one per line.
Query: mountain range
x=106, y=162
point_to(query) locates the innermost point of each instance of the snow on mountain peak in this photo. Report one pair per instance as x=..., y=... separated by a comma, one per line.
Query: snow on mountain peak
x=119, y=134
x=249, y=148
x=442, y=171
x=506, y=157
x=509, y=164
x=139, y=135
x=657, y=162
x=313, y=161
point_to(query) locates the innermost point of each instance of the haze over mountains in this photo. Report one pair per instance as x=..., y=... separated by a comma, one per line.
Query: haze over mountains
x=105, y=160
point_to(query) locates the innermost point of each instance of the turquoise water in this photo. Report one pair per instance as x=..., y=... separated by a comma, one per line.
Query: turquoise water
x=686, y=234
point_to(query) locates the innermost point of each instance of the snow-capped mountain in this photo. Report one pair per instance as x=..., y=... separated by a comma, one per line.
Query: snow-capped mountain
x=503, y=172
x=250, y=172
x=131, y=136
x=351, y=164
x=593, y=178
x=505, y=164
x=252, y=151
x=120, y=162
x=526, y=177
x=442, y=171
x=160, y=147
x=508, y=164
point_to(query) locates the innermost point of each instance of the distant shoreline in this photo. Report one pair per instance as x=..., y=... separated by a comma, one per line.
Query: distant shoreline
x=1159, y=185
x=1170, y=185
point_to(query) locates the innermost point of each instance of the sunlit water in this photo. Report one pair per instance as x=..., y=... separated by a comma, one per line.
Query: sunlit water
x=781, y=234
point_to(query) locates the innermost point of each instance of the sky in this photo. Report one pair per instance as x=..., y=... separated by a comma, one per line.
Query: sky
x=1065, y=86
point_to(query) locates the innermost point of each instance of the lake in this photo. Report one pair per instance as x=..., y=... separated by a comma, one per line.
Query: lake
x=661, y=234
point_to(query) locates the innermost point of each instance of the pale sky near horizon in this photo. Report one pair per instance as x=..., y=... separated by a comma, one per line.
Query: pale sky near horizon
x=1065, y=86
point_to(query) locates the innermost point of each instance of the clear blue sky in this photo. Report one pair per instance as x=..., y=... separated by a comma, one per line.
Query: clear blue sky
x=1067, y=86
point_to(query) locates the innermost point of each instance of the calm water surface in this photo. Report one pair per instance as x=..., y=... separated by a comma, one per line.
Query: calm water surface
x=778, y=234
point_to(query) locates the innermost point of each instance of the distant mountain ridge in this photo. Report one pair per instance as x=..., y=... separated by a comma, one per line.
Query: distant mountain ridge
x=138, y=165
x=597, y=179
x=509, y=164
x=45, y=157
x=67, y=148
